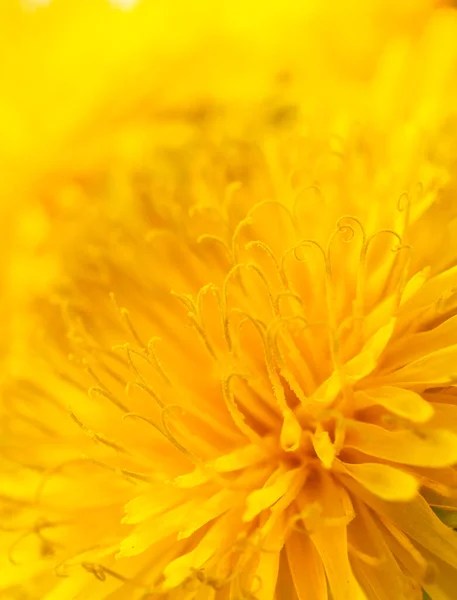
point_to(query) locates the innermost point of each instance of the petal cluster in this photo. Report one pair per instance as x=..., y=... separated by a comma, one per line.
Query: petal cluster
x=241, y=383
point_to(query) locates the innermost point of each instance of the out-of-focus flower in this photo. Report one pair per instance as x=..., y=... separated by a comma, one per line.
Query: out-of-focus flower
x=259, y=297
x=87, y=90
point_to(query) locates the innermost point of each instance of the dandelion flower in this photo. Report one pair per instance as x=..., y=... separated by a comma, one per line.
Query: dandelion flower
x=242, y=385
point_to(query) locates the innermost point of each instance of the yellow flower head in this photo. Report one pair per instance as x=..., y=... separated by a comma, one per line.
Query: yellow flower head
x=241, y=382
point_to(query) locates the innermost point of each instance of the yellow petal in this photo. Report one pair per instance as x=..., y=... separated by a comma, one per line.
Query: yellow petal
x=290, y=433
x=190, y=480
x=13, y=574
x=324, y=448
x=329, y=390
x=278, y=509
x=239, y=459
x=153, y=530
x=412, y=347
x=401, y=402
x=384, y=481
x=207, y=511
x=267, y=575
x=70, y=587
x=180, y=568
x=434, y=288
x=414, y=285
x=436, y=368
x=417, y=521
x=262, y=499
x=358, y=367
x=362, y=364
x=443, y=584
x=384, y=584
x=430, y=448
x=329, y=536
x=332, y=546
x=153, y=503
x=310, y=582
x=370, y=550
